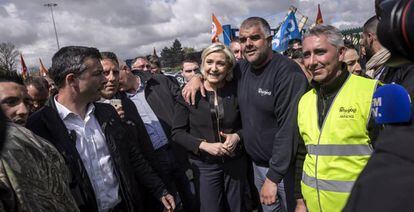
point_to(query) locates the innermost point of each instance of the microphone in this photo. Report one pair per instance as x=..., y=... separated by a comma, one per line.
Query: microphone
x=391, y=104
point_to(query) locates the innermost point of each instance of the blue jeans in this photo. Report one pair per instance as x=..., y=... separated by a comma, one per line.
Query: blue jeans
x=259, y=177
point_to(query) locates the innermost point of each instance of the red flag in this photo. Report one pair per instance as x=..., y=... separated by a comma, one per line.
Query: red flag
x=216, y=29
x=42, y=69
x=24, y=67
x=319, y=19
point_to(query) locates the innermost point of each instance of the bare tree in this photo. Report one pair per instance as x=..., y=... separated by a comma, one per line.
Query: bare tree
x=8, y=54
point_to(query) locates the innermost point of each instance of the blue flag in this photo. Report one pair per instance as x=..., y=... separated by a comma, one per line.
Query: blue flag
x=289, y=30
x=227, y=34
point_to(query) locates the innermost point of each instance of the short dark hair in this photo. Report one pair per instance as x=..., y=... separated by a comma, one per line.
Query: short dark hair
x=255, y=21
x=11, y=76
x=39, y=83
x=371, y=25
x=110, y=56
x=70, y=59
x=189, y=58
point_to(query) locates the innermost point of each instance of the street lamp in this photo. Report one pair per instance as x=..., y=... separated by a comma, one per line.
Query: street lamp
x=51, y=5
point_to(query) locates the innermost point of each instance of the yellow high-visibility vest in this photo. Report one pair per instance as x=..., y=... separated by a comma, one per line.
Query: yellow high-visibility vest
x=338, y=152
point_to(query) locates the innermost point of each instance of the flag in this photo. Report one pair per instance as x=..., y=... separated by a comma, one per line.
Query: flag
x=287, y=31
x=302, y=23
x=24, y=67
x=42, y=69
x=319, y=19
x=227, y=34
x=216, y=29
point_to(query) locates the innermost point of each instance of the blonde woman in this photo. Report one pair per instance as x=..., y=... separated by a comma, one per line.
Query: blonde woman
x=210, y=130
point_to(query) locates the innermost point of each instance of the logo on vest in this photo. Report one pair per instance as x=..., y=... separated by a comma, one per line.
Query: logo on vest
x=264, y=92
x=347, y=112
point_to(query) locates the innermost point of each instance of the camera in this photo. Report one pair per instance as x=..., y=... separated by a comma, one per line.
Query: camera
x=396, y=29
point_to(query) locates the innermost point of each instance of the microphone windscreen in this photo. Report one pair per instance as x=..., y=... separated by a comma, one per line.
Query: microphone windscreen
x=391, y=104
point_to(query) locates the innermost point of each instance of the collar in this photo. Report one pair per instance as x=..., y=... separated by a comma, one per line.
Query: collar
x=139, y=89
x=334, y=86
x=264, y=66
x=64, y=112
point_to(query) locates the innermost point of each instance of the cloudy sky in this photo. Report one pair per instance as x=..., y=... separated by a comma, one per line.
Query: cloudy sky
x=135, y=27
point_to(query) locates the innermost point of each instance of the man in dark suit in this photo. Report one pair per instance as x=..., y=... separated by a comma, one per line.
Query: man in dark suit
x=95, y=145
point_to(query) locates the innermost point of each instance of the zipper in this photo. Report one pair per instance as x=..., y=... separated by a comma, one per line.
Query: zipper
x=324, y=100
x=317, y=156
x=320, y=134
x=216, y=111
x=218, y=128
x=116, y=170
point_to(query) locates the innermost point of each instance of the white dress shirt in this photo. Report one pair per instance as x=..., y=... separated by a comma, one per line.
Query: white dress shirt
x=93, y=150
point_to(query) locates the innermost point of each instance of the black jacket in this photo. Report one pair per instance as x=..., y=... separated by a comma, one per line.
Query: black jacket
x=403, y=76
x=201, y=121
x=161, y=94
x=387, y=181
x=136, y=127
x=129, y=163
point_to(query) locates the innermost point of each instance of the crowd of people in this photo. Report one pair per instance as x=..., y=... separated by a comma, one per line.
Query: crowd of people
x=245, y=129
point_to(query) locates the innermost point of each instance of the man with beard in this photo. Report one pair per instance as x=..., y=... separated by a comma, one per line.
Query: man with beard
x=386, y=183
x=375, y=53
x=104, y=164
x=269, y=88
x=28, y=158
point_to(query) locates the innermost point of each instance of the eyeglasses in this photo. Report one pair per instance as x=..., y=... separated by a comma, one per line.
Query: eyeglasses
x=192, y=70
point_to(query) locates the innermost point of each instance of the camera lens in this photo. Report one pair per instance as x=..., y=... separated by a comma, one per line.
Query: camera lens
x=408, y=24
x=396, y=30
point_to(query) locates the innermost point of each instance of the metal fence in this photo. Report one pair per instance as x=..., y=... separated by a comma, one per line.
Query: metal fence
x=353, y=35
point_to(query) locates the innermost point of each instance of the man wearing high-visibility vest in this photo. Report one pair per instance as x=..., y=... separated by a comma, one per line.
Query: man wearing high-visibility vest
x=334, y=122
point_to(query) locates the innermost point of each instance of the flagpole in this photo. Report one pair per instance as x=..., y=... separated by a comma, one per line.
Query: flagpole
x=51, y=5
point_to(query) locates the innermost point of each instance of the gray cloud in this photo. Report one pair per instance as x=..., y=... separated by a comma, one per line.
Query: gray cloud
x=135, y=27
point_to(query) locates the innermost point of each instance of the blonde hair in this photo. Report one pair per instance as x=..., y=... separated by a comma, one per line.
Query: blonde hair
x=230, y=59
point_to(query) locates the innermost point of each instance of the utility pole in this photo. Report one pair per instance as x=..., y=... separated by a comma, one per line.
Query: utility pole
x=51, y=5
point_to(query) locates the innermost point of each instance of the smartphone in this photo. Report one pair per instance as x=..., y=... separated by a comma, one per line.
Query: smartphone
x=116, y=103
